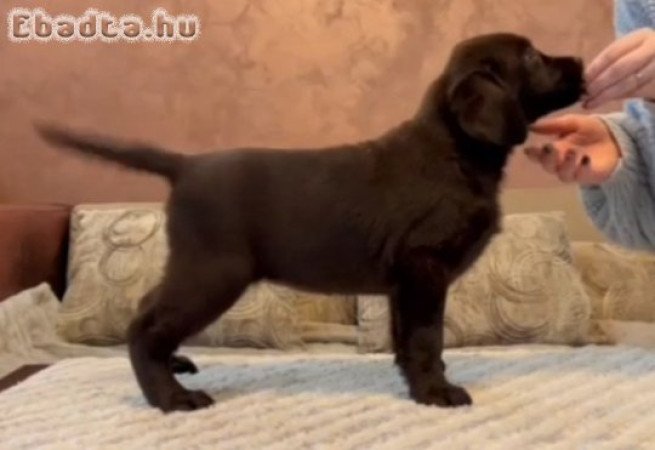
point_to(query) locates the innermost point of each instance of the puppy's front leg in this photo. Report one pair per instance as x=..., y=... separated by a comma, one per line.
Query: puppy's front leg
x=418, y=304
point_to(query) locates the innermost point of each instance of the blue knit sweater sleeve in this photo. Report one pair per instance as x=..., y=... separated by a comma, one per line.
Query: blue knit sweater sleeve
x=623, y=207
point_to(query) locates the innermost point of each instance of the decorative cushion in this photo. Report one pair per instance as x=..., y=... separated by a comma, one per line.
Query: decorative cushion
x=523, y=289
x=620, y=282
x=27, y=320
x=323, y=318
x=621, y=286
x=117, y=255
x=33, y=246
x=314, y=307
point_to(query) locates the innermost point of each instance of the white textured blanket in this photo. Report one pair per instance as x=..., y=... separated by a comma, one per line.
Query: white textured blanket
x=525, y=397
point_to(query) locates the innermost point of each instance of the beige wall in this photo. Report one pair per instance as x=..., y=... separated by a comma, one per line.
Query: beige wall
x=264, y=72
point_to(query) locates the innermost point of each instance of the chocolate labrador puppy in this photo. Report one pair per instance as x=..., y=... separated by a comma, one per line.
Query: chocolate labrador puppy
x=403, y=214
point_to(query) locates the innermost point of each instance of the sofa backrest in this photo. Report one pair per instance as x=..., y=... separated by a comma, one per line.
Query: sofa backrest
x=33, y=247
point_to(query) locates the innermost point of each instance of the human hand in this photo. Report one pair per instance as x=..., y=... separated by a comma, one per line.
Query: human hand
x=625, y=69
x=584, y=150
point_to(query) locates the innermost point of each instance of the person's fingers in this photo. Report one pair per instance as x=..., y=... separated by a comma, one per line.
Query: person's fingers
x=647, y=78
x=627, y=70
x=623, y=89
x=549, y=158
x=583, y=173
x=613, y=52
x=566, y=171
x=533, y=153
x=556, y=126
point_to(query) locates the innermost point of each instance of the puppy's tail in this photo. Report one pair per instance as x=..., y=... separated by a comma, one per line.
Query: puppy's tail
x=135, y=156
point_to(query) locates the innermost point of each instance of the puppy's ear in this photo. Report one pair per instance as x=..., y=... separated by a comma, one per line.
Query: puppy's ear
x=486, y=110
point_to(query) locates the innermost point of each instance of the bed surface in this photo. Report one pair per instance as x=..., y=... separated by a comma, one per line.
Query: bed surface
x=324, y=396
x=525, y=397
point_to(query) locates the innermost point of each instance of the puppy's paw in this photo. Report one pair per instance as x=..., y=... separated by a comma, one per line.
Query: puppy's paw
x=444, y=395
x=182, y=364
x=185, y=401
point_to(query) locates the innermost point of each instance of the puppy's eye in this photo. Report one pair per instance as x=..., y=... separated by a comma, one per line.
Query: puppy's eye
x=531, y=56
x=491, y=66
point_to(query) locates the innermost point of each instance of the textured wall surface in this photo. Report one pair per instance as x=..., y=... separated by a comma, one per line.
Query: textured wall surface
x=263, y=72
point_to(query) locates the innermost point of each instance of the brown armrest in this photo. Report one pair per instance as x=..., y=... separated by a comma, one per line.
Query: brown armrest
x=33, y=247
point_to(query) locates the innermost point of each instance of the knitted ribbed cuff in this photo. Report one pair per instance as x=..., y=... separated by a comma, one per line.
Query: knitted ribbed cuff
x=627, y=169
x=600, y=200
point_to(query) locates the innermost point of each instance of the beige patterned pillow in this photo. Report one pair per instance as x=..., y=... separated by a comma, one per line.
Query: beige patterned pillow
x=117, y=254
x=620, y=282
x=523, y=289
x=324, y=318
x=314, y=307
x=26, y=321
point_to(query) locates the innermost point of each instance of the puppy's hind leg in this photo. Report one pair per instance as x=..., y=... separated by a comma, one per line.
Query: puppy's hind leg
x=182, y=364
x=178, y=363
x=189, y=298
x=418, y=305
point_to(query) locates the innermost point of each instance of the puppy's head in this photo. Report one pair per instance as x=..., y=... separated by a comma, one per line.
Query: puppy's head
x=495, y=85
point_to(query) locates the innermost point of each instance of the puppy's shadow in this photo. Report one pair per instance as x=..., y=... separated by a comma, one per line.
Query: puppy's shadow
x=318, y=377
x=380, y=376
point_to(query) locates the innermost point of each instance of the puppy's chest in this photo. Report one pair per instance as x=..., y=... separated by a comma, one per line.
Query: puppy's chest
x=467, y=235
x=478, y=230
